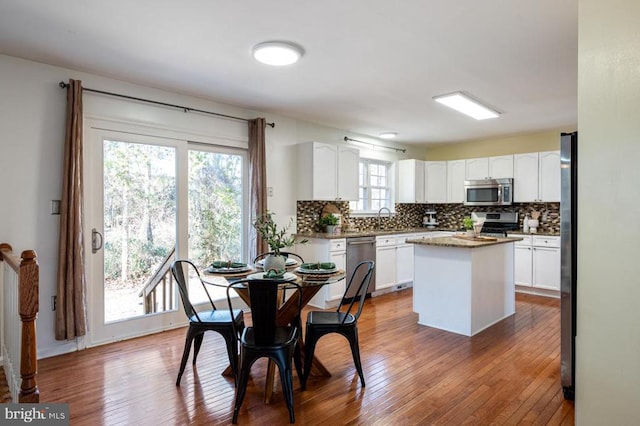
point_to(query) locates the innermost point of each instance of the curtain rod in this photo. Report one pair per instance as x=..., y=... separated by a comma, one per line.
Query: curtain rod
x=64, y=85
x=373, y=145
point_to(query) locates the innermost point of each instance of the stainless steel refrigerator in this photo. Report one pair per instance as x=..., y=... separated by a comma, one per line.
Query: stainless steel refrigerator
x=568, y=250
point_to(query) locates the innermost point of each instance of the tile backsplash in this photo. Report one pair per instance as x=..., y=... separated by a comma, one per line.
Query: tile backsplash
x=409, y=215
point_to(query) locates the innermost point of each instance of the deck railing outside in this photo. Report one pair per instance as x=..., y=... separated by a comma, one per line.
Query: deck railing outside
x=159, y=291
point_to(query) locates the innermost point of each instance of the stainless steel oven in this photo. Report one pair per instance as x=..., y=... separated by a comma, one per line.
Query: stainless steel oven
x=488, y=192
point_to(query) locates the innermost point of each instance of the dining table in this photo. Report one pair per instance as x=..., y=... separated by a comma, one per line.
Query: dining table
x=309, y=285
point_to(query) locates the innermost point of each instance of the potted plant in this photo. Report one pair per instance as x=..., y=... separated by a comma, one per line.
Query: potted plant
x=276, y=238
x=329, y=222
x=467, y=222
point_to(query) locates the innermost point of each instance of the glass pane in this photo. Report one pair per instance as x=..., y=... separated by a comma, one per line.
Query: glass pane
x=139, y=226
x=215, y=212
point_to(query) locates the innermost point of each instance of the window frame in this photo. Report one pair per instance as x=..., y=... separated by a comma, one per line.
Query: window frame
x=365, y=163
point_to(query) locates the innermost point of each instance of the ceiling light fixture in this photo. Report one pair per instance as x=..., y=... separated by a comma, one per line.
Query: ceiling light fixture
x=277, y=53
x=388, y=135
x=465, y=104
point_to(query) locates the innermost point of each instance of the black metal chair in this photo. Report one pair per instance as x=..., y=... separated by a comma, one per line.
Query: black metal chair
x=217, y=320
x=340, y=321
x=265, y=338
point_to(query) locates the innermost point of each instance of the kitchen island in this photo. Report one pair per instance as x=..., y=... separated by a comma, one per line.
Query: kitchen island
x=463, y=285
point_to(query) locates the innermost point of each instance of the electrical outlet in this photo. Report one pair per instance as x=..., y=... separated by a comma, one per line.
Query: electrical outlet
x=270, y=191
x=54, y=299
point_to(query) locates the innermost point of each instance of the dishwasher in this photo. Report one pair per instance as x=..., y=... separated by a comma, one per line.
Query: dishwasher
x=359, y=249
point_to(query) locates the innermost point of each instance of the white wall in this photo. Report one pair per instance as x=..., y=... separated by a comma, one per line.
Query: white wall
x=608, y=314
x=32, y=115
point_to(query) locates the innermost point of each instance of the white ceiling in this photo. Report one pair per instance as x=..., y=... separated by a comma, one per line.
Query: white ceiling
x=370, y=65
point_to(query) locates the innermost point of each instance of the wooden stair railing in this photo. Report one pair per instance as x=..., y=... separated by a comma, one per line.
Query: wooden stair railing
x=28, y=282
x=150, y=290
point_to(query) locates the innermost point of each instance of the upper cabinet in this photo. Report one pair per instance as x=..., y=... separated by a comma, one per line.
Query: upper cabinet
x=435, y=173
x=536, y=177
x=549, y=177
x=327, y=172
x=411, y=179
x=348, y=167
x=455, y=181
x=489, y=167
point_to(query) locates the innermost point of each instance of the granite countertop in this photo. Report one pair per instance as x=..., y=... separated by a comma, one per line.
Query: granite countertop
x=368, y=233
x=542, y=234
x=462, y=243
x=376, y=232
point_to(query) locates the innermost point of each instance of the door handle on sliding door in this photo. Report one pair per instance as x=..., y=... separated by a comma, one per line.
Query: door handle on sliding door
x=96, y=240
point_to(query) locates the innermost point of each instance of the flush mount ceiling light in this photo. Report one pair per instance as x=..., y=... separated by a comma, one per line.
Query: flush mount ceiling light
x=277, y=53
x=388, y=135
x=465, y=104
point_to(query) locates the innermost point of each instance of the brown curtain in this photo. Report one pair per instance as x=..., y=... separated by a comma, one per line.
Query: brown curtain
x=71, y=307
x=257, y=183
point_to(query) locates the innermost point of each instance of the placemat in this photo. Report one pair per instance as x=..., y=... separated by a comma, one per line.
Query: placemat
x=319, y=277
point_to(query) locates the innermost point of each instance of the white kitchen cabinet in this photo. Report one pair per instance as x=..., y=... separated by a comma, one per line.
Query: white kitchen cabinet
x=546, y=262
x=536, y=177
x=455, y=181
x=537, y=264
x=335, y=291
x=385, y=262
x=549, y=176
x=525, y=177
x=348, y=166
x=322, y=250
x=435, y=173
x=477, y=168
x=404, y=259
x=319, y=172
x=501, y=167
x=497, y=167
x=523, y=266
x=411, y=179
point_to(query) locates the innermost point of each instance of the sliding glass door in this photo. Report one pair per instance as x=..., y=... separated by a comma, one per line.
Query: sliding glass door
x=151, y=200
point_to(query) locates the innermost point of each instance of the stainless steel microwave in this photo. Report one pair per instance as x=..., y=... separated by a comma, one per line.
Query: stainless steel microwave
x=488, y=192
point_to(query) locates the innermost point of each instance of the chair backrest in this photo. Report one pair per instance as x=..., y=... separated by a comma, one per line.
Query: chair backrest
x=286, y=255
x=180, y=270
x=361, y=278
x=263, y=298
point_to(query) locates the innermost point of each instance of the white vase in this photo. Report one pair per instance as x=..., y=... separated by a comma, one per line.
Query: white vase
x=273, y=262
x=470, y=233
x=330, y=229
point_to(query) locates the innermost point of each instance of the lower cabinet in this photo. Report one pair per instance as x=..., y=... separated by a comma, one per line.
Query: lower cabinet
x=537, y=264
x=322, y=250
x=546, y=263
x=386, y=262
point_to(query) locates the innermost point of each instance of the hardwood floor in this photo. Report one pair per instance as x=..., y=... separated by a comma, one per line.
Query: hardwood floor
x=508, y=374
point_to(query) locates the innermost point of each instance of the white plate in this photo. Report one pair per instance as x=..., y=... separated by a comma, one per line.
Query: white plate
x=317, y=271
x=288, y=262
x=288, y=276
x=213, y=270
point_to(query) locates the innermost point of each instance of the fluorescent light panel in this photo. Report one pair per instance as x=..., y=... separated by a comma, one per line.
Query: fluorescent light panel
x=388, y=135
x=465, y=104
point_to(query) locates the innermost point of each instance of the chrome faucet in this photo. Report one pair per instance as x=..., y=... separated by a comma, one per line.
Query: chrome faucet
x=379, y=214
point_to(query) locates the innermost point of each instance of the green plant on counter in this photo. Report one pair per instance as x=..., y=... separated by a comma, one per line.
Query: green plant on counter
x=467, y=222
x=329, y=220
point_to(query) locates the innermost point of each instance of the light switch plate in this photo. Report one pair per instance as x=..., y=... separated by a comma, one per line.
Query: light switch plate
x=55, y=206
